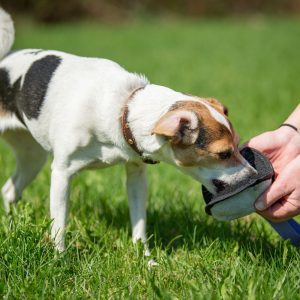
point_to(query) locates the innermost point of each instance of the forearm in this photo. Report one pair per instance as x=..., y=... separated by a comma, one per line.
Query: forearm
x=294, y=118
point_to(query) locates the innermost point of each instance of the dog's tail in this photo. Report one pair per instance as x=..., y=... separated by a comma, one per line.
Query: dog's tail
x=8, y=120
x=7, y=33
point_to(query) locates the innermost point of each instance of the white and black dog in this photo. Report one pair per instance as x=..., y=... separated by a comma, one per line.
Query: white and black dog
x=91, y=113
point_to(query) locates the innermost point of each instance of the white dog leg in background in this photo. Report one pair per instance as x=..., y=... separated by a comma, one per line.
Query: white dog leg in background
x=30, y=158
x=59, y=193
x=137, y=196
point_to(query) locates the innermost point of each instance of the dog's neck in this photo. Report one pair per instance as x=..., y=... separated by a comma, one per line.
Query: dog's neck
x=146, y=107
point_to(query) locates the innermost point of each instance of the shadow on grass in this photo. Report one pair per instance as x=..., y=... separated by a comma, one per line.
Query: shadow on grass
x=174, y=229
x=200, y=234
x=178, y=228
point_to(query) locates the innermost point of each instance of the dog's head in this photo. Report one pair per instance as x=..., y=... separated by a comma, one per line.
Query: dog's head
x=203, y=143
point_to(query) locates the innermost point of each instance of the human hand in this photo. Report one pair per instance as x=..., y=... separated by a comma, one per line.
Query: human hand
x=282, y=200
x=282, y=147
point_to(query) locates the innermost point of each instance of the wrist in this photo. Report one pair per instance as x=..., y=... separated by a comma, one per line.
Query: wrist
x=289, y=138
x=294, y=118
x=288, y=134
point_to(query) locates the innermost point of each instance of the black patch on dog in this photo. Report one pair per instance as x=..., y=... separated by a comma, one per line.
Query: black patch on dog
x=6, y=98
x=203, y=138
x=30, y=97
x=8, y=93
x=35, y=86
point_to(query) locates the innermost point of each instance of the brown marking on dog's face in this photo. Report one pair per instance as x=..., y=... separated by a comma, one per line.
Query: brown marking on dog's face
x=216, y=104
x=196, y=137
x=3, y=112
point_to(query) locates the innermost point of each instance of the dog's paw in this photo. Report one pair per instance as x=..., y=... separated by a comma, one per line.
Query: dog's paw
x=152, y=263
x=59, y=247
x=147, y=252
x=58, y=241
x=9, y=194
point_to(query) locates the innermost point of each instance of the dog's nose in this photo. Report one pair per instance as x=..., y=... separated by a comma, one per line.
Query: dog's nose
x=219, y=184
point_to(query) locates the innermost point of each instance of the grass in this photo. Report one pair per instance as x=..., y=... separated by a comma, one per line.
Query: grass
x=253, y=66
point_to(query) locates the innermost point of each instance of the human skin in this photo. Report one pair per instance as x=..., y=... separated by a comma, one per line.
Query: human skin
x=282, y=147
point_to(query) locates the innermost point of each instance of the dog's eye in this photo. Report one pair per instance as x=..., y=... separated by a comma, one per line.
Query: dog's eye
x=225, y=111
x=225, y=154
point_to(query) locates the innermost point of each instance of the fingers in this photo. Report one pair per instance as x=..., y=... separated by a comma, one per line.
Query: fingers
x=282, y=200
x=280, y=211
x=279, y=189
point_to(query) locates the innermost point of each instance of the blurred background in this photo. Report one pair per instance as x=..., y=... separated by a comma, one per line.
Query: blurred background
x=114, y=10
x=244, y=53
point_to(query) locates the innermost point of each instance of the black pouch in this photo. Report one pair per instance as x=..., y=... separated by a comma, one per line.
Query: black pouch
x=237, y=201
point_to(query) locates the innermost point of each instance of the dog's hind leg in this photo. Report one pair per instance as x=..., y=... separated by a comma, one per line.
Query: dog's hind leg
x=30, y=158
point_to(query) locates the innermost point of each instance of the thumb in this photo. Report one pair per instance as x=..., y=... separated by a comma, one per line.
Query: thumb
x=276, y=191
x=281, y=210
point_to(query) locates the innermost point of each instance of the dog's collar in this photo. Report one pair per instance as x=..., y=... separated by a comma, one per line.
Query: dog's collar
x=127, y=133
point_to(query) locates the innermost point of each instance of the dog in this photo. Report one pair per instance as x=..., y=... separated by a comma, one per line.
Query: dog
x=92, y=113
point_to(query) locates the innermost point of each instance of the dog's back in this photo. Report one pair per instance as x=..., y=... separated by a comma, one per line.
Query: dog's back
x=46, y=89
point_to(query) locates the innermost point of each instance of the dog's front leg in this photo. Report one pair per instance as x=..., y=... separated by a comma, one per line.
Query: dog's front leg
x=59, y=193
x=137, y=196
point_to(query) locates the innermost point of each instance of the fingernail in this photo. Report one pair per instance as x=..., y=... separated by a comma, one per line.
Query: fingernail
x=260, y=205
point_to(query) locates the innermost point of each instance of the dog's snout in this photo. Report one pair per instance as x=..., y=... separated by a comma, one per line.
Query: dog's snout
x=219, y=184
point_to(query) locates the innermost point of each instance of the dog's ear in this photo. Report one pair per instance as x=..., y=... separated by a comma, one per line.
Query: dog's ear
x=180, y=126
x=218, y=106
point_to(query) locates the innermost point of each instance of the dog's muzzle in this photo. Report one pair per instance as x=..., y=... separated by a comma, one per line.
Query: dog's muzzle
x=236, y=201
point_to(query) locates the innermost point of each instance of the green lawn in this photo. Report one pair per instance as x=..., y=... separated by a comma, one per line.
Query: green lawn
x=252, y=66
